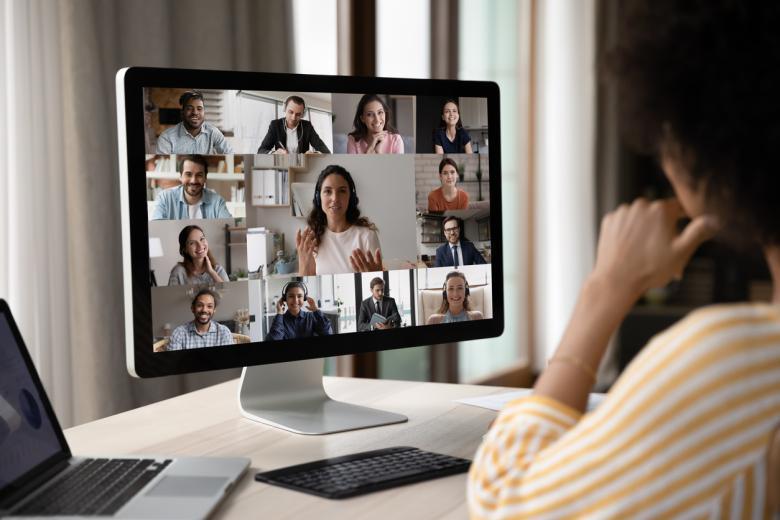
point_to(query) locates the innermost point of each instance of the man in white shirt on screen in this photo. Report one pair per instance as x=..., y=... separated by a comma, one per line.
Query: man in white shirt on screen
x=292, y=133
x=192, y=199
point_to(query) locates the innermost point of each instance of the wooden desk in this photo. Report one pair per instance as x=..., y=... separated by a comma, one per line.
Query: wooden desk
x=207, y=422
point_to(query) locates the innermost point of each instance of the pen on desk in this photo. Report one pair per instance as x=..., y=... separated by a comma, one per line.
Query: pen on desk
x=280, y=146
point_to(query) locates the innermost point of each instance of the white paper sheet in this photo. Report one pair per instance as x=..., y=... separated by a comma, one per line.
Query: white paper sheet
x=497, y=401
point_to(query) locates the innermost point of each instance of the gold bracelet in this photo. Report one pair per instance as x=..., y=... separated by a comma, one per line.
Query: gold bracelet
x=576, y=362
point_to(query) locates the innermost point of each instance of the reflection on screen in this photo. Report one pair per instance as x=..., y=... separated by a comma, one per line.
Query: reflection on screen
x=284, y=215
x=26, y=434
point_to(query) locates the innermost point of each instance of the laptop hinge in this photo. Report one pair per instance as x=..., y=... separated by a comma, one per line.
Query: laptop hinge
x=32, y=485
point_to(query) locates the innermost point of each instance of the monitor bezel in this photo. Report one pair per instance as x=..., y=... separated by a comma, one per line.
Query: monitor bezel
x=141, y=360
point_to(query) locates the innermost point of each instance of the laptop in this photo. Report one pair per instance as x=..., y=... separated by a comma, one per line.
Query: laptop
x=39, y=477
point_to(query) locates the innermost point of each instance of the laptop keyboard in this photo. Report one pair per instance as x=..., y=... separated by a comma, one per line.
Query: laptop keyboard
x=359, y=473
x=94, y=487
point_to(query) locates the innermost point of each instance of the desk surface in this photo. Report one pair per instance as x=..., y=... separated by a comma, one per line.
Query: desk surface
x=208, y=422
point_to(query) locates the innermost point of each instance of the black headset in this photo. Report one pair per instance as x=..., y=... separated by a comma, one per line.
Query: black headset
x=293, y=284
x=341, y=171
x=459, y=275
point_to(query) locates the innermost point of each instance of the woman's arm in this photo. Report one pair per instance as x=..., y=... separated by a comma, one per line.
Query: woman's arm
x=438, y=149
x=639, y=248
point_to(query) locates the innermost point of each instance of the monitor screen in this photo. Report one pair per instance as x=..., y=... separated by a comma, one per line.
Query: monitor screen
x=280, y=217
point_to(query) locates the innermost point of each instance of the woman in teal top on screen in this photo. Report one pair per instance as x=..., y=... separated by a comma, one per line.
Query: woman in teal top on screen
x=455, y=301
x=451, y=137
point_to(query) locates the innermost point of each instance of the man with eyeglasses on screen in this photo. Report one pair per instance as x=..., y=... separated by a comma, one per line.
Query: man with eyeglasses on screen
x=193, y=134
x=458, y=250
x=292, y=133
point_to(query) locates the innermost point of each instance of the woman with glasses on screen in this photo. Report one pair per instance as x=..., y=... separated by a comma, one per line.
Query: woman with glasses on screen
x=448, y=196
x=337, y=239
x=198, y=266
x=372, y=131
x=685, y=430
x=451, y=137
x=455, y=301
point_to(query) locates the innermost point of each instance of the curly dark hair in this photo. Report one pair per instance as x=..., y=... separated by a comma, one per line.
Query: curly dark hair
x=360, y=130
x=317, y=219
x=697, y=82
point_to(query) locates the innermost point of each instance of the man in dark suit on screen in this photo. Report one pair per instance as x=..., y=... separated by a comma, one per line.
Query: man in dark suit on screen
x=292, y=133
x=457, y=251
x=379, y=304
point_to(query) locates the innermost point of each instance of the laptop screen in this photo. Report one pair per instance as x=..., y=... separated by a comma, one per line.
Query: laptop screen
x=27, y=436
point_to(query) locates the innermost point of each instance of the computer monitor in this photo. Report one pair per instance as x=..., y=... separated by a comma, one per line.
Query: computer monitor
x=272, y=220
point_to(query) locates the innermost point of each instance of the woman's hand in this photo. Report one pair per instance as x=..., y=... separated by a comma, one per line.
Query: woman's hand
x=364, y=261
x=306, y=246
x=280, y=306
x=210, y=269
x=378, y=138
x=311, y=304
x=640, y=247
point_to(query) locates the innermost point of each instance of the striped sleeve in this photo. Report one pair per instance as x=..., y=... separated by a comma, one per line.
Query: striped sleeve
x=682, y=433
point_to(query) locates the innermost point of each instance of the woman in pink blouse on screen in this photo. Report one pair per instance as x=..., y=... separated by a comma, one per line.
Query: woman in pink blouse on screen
x=372, y=132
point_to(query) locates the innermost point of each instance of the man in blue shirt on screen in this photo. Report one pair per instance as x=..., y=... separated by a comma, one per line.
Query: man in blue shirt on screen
x=201, y=331
x=192, y=199
x=193, y=134
x=296, y=322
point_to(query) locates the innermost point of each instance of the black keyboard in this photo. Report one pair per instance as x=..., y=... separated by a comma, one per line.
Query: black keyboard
x=360, y=473
x=94, y=487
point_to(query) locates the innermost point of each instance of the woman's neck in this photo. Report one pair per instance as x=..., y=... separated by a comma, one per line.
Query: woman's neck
x=449, y=191
x=772, y=255
x=451, y=131
x=338, y=225
x=198, y=265
x=455, y=310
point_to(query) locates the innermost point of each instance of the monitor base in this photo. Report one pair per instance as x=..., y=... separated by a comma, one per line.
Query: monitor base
x=290, y=396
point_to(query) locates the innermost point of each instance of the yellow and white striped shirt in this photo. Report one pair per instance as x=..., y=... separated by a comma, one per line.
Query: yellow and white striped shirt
x=683, y=432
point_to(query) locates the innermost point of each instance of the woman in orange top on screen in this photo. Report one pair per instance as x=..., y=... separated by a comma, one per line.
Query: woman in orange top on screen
x=448, y=196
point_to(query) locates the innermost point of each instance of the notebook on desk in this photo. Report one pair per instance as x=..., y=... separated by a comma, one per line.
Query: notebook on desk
x=40, y=477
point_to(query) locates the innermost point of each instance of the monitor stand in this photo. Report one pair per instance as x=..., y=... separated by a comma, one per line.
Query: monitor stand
x=290, y=396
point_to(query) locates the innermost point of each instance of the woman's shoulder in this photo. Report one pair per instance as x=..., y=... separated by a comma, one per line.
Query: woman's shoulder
x=178, y=268
x=434, y=319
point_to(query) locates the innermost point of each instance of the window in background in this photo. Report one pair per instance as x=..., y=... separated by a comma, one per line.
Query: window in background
x=403, y=38
x=314, y=34
x=491, y=41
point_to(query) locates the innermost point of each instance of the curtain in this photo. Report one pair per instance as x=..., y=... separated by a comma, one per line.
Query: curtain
x=60, y=264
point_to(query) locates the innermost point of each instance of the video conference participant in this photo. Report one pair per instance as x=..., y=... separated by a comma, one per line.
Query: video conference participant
x=198, y=266
x=296, y=322
x=193, y=134
x=448, y=196
x=455, y=301
x=458, y=250
x=292, y=133
x=192, y=199
x=451, y=137
x=201, y=331
x=380, y=304
x=372, y=133
x=337, y=239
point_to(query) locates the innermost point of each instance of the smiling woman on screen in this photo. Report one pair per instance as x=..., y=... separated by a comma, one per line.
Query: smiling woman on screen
x=337, y=239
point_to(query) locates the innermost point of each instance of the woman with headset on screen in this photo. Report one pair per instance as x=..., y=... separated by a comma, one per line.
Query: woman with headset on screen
x=297, y=322
x=372, y=131
x=198, y=266
x=455, y=301
x=337, y=239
